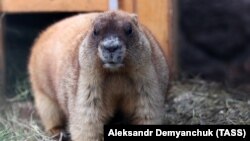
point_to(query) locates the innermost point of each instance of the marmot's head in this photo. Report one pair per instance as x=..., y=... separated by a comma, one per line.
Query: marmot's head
x=118, y=39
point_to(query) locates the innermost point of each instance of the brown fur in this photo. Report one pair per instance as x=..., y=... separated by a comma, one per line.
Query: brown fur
x=71, y=86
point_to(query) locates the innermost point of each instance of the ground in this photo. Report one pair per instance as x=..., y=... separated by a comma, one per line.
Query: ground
x=189, y=102
x=201, y=102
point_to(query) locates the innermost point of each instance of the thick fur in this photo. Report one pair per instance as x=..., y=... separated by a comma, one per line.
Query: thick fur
x=72, y=86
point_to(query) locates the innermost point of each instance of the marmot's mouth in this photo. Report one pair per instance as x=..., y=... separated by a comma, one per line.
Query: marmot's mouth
x=112, y=65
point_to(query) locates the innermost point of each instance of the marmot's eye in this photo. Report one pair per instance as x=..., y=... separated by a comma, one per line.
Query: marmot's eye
x=128, y=30
x=95, y=32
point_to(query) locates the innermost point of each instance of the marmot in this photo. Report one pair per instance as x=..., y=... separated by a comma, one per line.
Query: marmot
x=86, y=67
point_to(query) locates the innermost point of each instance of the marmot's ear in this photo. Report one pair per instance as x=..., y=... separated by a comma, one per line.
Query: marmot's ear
x=134, y=18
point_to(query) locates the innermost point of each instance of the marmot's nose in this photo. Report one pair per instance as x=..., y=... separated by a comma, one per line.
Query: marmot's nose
x=111, y=48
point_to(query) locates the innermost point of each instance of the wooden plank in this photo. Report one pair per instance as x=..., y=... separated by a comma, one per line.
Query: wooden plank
x=128, y=5
x=0, y=7
x=53, y=5
x=157, y=16
x=2, y=90
x=173, y=27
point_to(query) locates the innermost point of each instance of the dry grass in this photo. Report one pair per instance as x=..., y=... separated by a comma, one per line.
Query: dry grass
x=18, y=119
x=19, y=123
x=200, y=102
x=189, y=102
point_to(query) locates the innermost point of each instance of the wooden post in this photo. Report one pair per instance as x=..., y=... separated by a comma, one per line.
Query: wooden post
x=128, y=5
x=158, y=17
x=2, y=78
